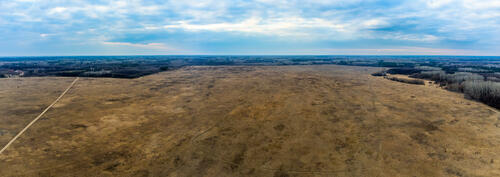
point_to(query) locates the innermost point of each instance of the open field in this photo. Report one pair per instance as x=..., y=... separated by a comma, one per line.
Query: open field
x=321, y=120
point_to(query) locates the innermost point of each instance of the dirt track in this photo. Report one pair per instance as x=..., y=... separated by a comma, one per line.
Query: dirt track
x=37, y=117
x=250, y=121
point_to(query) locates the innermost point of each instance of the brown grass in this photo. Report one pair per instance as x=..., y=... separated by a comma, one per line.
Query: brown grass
x=247, y=121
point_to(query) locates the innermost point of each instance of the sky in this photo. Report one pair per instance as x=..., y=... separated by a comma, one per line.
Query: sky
x=246, y=27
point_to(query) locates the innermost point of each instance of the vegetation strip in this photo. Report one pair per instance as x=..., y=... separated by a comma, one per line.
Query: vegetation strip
x=38, y=117
x=408, y=81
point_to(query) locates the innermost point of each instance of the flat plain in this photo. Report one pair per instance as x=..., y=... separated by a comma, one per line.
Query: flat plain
x=318, y=120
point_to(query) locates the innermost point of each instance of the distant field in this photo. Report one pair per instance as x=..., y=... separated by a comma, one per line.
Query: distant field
x=314, y=120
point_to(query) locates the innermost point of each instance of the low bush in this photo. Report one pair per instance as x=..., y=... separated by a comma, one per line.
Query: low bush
x=408, y=81
x=96, y=74
x=442, y=77
x=379, y=73
x=456, y=87
x=428, y=68
x=406, y=71
x=438, y=76
x=164, y=68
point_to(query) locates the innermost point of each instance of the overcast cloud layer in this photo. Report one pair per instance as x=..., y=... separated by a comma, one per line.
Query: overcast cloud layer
x=136, y=27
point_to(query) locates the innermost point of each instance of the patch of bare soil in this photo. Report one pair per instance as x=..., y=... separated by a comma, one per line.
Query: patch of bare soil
x=248, y=121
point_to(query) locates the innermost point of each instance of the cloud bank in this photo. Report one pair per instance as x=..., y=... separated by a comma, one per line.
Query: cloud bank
x=122, y=27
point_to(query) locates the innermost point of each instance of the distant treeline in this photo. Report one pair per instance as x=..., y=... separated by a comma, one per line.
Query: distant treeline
x=137, y=66
x=84, y=68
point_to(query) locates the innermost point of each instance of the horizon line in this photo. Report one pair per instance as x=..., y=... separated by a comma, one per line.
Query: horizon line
x=20, y=56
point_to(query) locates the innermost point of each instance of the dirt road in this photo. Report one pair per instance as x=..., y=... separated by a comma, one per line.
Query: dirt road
x=38, y=117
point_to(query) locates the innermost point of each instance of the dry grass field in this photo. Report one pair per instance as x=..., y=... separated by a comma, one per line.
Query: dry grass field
x=322, y=120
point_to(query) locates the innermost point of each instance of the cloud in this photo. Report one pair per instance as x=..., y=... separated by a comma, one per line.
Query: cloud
x=274, y=26
x=481, y=4
x=154, y=46
x=410, y=37
x=405, y=51
x=229, y=24
x=374, y=23
x=438, y=3
x=57, y=10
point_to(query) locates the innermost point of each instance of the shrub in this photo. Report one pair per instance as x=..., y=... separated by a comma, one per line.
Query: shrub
x=442, y=77
x=456, y=87
x=428, y=68
x=102, y=73
x=406, y=71
x=164, y=68
x=408, y=81
x=70, y=73
x=438, y=76
x=379, y=73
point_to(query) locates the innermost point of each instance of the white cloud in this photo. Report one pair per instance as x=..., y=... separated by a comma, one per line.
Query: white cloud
x=57, y=10
x=276, y=26
x=438, y=3
x=111, y=9
x=374, y=23
x=404, y=51
x=60, y=12
x=426, y=22
x=26, y=0
x=415, y=37
x=481, y=4
x=155, y=46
